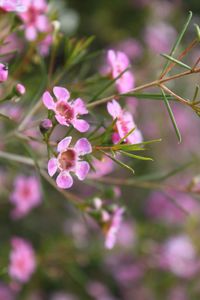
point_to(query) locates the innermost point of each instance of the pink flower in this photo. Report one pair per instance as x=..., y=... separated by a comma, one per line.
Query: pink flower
x=160, y=37
x=124, y=124
x=12, y=5
x=22, y=260
x=3, y=73
x=20, y=88
x=26, y=195
x=66, y=112
x=179, y=256
x=35, y=19
x=118, y=63
x=102, y=167
x=113, y=227
x=69, y=160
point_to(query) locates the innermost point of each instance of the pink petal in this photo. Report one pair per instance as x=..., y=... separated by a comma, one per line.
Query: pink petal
x=61, y=93
x=80, y=125
x=63, y=145
x=48, y=101
x=31, y=33
x=61, y=120
x=52, y=166
x=80, y=107
x=82, y=169
x=111, y=57
x=64, y=180
x=114, y=109
x=83, y=147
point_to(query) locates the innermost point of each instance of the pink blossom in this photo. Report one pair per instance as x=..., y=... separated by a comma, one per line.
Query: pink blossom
x=173, y=208
x=22, y=260
x=20, y=88
x=3, y=73
x=114, y=224
x=66, y=112
x=124, y=124
x=160, y=37
x=131, y=47
x=179, y=256
x=69, y=160
x=35, y=19
x=118, y=62
x=102, y=167
x=26, y=195
x=12, y=5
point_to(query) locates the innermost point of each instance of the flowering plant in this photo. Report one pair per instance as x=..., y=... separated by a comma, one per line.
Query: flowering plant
x=66, y=125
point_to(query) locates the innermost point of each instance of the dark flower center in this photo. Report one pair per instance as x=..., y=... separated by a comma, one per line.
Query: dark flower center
x=67, y=159
x=65, y=110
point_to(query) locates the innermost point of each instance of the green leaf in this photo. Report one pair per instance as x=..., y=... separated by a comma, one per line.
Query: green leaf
x=178, y=40
x=197, y=31
x=134, y=147
x=148, y=96
x=195, y=93
x=136, y=156
x=119, y=162
x=172, y=117
x=178, y=62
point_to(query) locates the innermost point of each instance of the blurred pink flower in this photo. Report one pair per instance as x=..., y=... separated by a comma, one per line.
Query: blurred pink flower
x=99, y=291
x=124, y=124
x=26, y=195
x=12, y=5
x=35, y=19
x=126, y=235
x=131, y=47
x=6, y=293
x=3, y=73
x=66, y=112
x=102, y=167
x=112, y=227
x=118, y=62
x=172, y=208
x=179, y=256
x=22, y=260
x=69, y=160
x=11, y=44
x=159, y=37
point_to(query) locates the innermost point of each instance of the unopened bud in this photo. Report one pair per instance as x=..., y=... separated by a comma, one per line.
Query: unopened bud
x=3, y=72
x=20, y=89
x=45, y=125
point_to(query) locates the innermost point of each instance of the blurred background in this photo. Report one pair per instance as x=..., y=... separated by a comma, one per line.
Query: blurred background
x=157, y=253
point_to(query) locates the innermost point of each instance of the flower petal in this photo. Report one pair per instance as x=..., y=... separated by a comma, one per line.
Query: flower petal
x=114, y=109
x=80, y=125
x=61, y=93
x=63, y=145
x=83, y=147
x=61, y=120
x=64, y=180
x=52, y=166
x=82, y=169
x=48, y=101
x=79, y=107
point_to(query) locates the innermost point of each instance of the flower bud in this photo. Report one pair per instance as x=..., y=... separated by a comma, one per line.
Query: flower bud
x=20, y=89
x=3, y=72
x=45, y=125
